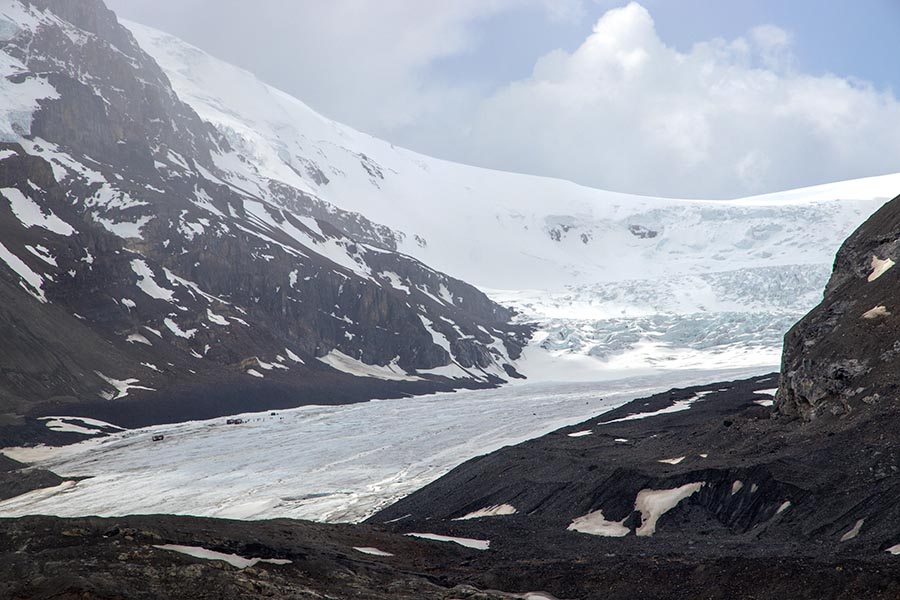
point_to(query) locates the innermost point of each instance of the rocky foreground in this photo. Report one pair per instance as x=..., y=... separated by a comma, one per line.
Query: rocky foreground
x=771, y=516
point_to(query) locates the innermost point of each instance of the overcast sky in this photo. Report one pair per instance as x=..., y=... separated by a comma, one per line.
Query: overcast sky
x=688, y=98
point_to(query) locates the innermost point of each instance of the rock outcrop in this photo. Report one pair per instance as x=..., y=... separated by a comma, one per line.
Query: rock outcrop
x=844, y=356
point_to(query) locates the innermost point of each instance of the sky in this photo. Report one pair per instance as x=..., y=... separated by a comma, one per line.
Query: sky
x=678, y=98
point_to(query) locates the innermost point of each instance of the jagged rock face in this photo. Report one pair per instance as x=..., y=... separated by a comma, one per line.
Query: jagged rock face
x=134, y=264
x=844, y=355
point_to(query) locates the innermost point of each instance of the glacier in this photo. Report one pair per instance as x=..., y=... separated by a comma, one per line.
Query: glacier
x=617, y=279
x=324, y=463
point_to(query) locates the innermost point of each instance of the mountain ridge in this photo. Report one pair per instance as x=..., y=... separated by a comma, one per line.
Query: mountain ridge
x=121, y=241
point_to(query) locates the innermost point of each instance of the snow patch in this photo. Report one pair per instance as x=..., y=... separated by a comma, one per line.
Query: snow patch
x=31, y=282
x=63, y=425
x=581, y=433
x=216, y=319
x=853, y=532
x=372, y=551
x=30, y=214
x=124, y=229
x=234, y=560
x=879, y=267
x=147, y=283
x=293, y=356
x=678, y=406
x=391, y=371
x=874, y=313
x=43, y=254
x=467, y=542
x=594, y=523
x=136, y=338
x=498, y=510
x=122, y=386
x=176, y=330
x=653, y=504
x=395, y=282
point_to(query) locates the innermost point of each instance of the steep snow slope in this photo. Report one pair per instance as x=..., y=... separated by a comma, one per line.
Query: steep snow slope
x=607, y=274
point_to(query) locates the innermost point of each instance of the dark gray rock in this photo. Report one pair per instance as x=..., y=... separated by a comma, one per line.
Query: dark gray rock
x=844, y=352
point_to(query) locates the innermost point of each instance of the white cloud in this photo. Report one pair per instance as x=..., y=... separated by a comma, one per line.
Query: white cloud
x=727, y=118
x=373, y=68
x=622, y=111
x=366, y=63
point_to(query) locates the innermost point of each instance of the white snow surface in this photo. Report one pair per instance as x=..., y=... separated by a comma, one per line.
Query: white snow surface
x=611, y=278
x=345, y=463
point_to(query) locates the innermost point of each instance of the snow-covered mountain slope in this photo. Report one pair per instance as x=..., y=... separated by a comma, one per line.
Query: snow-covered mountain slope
x=143, y=256
x=650, y=280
